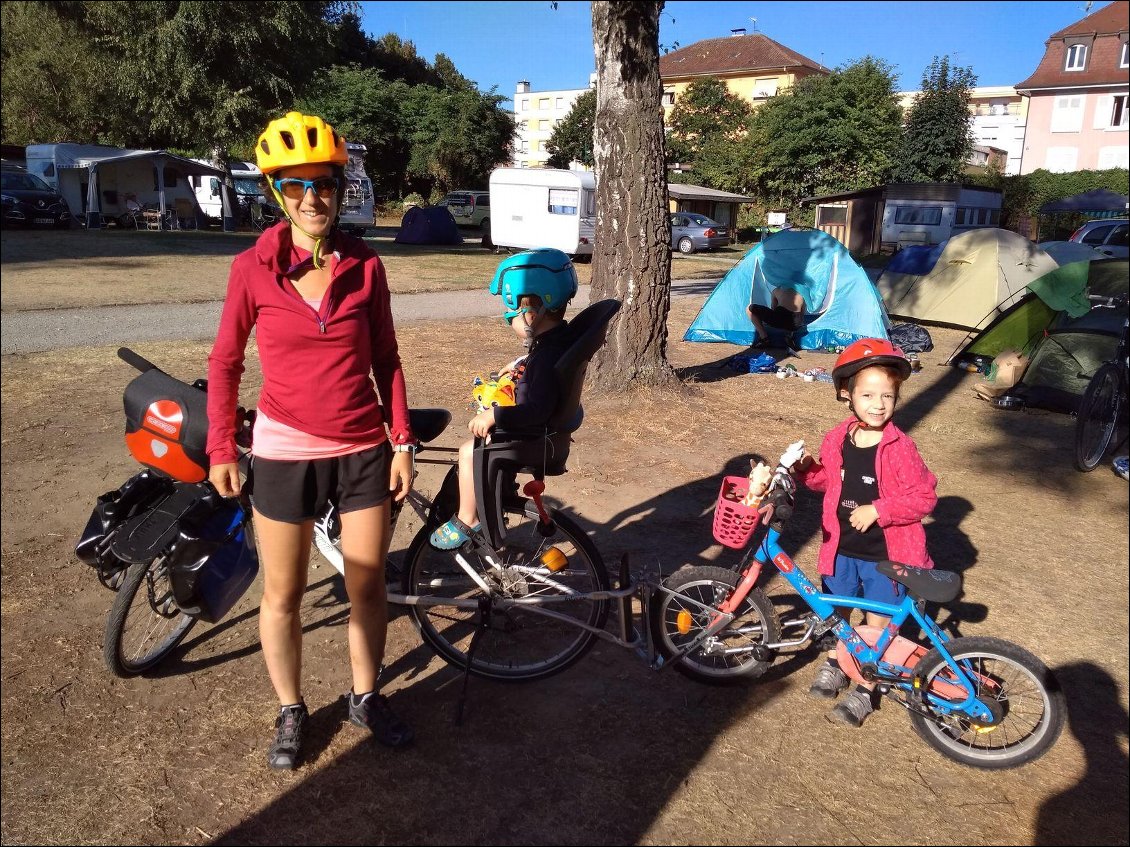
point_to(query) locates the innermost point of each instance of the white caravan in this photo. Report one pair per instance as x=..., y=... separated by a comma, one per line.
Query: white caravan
x=543, y=207
x=245, y=175
x=357, y=208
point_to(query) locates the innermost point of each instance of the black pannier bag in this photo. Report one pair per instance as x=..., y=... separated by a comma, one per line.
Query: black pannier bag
x=213, y=560
x=167, y=425
x=136, y=495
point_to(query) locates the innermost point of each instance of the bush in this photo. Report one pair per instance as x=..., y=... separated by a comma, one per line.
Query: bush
x=1023, y=195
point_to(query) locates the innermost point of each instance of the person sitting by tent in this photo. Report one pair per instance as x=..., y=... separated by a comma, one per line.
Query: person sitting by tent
x=786, y=313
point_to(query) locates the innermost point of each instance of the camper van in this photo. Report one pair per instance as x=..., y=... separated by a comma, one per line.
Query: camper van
x=542, y=207
x=246, y=176
x=97, y=181
x=357, y=207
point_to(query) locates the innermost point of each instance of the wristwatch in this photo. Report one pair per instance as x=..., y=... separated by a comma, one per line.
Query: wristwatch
x=404, y=448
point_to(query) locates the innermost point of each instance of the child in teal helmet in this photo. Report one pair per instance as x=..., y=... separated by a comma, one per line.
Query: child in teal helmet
x=536, y=287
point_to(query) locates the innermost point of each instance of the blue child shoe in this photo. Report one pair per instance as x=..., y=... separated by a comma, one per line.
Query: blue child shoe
x=452, y=535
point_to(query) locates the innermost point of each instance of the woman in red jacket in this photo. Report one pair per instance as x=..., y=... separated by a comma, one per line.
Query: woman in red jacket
x=876, y=490
x=319, y=303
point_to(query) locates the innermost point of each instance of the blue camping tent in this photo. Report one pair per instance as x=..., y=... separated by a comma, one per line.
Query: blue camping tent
x=843, y=304
x=428, y=225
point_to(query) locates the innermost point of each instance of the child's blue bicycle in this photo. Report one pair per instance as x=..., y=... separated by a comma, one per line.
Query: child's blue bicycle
x=979, y=700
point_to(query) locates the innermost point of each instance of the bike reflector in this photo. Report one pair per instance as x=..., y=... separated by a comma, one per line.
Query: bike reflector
x=167, y=425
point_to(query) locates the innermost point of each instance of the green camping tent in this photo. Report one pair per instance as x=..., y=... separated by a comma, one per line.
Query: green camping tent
x=1055, y=327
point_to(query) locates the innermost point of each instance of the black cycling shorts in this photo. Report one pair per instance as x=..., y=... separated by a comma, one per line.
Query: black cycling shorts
x=778, y=317
x=297, y=491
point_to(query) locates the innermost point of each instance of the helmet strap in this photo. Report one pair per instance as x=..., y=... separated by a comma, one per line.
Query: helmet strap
x=319, y=240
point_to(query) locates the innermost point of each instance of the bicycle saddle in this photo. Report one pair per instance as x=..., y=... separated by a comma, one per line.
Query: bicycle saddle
x=925, y=583
x=428, y=424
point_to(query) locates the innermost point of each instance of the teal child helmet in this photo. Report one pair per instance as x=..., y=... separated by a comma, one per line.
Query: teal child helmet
x=545, y=273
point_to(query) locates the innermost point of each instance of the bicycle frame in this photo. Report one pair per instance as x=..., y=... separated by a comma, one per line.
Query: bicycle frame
x=870, y=658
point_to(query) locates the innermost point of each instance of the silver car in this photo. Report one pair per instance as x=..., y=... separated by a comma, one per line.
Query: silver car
x=691, y=231
x=1111, y=236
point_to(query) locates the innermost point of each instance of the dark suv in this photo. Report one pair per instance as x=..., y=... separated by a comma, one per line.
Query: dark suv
x=29, y=201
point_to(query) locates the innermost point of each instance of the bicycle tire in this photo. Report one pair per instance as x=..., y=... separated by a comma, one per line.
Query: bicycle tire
x=756, y=619
x=126, y=653
x=1098, y=417
x=1034, y=708
x=520, y=644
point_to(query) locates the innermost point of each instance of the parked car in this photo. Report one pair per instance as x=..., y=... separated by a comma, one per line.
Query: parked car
x=691, y=231
x=28, y=201
x=469, y=208
x=1110, y=236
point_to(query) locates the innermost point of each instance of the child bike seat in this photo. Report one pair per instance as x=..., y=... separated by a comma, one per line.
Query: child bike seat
x=540, y=451
x=928, y=584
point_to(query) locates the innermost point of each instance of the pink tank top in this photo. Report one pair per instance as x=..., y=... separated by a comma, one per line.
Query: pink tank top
x=274, y=440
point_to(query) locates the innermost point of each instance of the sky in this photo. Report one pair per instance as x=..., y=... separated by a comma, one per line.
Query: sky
x=498, y=43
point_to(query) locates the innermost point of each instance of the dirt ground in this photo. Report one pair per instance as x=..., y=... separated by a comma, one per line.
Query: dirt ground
x=608, y=752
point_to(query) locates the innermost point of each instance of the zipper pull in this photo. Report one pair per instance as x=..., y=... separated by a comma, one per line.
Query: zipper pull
x=321, y=326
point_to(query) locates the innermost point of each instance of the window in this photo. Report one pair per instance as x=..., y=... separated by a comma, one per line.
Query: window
x=1098, y=235
x=1067, y=114
x=831, y=215
x=1117, y=156
x=525, y=104
x=545, y=124
x=1120, y=237
x=1118, y=113
x=543, y=103
x=560, y=102
x=1124, y=56
x=563, y=201
x=924, y=215
x=1076, y=57
x=764, y=88
x=668, y=98
x=1061, y=159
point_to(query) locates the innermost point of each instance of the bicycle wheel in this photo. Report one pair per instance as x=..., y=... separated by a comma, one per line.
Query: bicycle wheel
x=520, y=643
x=726, y=656
x=144, y=623
x=1012, y=681
x=1097, y=418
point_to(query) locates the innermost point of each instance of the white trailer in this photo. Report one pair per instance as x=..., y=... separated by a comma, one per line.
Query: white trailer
x=543, y=207
x=357, y=207
x=245, y=175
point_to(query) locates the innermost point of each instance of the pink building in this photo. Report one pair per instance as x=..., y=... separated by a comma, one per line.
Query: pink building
x=1077, y=110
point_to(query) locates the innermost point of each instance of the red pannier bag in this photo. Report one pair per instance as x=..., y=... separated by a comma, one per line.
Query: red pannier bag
x=167, y=425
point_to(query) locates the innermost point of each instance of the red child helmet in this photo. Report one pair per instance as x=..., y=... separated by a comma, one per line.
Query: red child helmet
x=866, y=353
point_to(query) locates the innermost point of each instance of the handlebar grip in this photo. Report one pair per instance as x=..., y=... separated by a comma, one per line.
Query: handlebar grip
x=139, y=362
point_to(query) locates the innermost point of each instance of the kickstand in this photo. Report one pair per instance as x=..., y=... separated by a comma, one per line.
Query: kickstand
x=481, y=626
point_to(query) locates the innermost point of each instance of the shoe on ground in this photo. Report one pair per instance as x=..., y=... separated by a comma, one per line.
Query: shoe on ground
x=853, y=709
x=1121, y=466
x=829, y=682
x=372, y=712
x=283, y=752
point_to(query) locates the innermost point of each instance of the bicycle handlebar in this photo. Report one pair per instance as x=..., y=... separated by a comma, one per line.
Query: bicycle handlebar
x=139, y=362
x=1103, y=301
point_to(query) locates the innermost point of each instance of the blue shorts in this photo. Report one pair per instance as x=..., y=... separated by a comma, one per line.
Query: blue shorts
x=859, y=578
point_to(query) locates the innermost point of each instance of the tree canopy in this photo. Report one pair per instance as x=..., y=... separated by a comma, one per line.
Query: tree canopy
x=196, y=75
x=571, y=139
x=827, y=133
x=939, y=136
x=705, y=114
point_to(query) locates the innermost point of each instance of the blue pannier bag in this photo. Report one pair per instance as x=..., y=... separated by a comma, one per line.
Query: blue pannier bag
x=213, y=561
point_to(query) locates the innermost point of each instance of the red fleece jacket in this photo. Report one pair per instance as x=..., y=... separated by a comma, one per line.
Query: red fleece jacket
x=317, y=366
x=907, y=494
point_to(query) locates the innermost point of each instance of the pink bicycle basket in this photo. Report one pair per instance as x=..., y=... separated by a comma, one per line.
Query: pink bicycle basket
x=733, y=522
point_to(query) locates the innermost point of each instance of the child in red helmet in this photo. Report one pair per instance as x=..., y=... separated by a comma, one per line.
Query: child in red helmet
x=876, y=490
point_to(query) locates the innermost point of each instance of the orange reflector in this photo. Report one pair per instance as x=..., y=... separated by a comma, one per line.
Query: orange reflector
x=684, y=621
x=554, y=560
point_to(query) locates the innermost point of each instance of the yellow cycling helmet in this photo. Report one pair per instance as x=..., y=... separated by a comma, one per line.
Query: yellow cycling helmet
x=298, y=139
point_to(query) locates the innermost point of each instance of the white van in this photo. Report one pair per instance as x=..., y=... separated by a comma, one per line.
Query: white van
x=246, y=176
x=543, y=207
x=357, y=207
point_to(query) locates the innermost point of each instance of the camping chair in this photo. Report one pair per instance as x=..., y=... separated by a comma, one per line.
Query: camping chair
x=260, y=215
x=540, y=451
x=184, y=213
x=133, y=215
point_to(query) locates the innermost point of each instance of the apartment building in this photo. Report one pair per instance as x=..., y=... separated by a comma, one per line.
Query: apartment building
x=536, y=113
x=1000, y=114
x=754, y=67
x=1077, y=110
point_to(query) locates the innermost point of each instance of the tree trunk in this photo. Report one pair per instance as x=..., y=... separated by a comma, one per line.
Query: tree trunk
x=632, y=255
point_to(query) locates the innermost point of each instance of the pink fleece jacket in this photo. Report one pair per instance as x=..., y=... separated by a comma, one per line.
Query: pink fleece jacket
x=318, y=365
x=906, y=495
